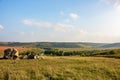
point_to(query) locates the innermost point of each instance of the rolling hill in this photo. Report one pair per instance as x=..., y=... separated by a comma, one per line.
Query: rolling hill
x=61, y=44
x=113, y=45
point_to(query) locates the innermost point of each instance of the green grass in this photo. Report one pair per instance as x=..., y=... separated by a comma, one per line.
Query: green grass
x=61, y=68
x=80, y=49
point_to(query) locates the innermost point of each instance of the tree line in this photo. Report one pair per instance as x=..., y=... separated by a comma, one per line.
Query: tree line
x=55, y=52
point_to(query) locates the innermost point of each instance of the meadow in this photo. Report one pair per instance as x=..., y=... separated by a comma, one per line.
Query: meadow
x=61, y=68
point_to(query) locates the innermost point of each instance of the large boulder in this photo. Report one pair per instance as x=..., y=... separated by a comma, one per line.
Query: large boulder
x=11, y=53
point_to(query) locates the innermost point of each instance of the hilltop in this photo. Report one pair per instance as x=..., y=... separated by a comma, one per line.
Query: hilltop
x=61, y=44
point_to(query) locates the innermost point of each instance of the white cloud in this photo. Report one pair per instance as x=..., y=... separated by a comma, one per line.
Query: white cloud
x=77, y=35
x=36, y=23
x=67, y=28
x=1, y=27
x=118, y=7
x=74, y=16
x=27, y=22
x=70, y=32
x=114, y=3
x=108, y=1
x=63, y=27
x=117, y=4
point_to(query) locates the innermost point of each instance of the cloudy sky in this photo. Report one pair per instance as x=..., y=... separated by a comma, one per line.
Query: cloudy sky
x=60, y=20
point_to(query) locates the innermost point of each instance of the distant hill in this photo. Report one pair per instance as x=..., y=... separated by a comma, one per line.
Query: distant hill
x=53, y=44
x=69, y=44
x=61, y=44
x=17, y=44
x=113, y=45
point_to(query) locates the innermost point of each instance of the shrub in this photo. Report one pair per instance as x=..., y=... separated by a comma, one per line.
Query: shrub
x=35, y=51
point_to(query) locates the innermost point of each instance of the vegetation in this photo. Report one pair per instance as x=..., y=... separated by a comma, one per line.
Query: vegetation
x=61, y=44
x=61, y=68
x=114, y=45
x=36, y=51
x=63, y=64
x=98, y=52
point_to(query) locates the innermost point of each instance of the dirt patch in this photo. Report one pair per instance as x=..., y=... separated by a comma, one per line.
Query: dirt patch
x=2, y=48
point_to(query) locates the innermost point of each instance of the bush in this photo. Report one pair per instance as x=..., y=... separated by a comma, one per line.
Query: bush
x=35, y=51
x=112, y=52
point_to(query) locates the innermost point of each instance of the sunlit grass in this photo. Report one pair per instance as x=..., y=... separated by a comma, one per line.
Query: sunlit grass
x=80, y=49
x=61, y=68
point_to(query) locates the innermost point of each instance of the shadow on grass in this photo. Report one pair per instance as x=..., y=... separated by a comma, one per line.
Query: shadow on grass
x=117, y=57
x=106, y=56
x=1, y=58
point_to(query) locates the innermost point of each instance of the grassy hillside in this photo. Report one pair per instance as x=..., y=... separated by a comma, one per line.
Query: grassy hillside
x=61, y=44
x=61, y=68
x=53, y=44
x=114, y=45
x=68, y=45
x=18, y=44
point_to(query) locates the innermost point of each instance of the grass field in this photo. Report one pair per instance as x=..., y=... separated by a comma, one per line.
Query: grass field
x=61, y=68
x=80, y=49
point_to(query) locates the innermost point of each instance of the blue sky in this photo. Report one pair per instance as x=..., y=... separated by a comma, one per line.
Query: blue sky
x=60, y=20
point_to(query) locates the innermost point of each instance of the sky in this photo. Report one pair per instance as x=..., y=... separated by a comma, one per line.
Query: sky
x=60, y=21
